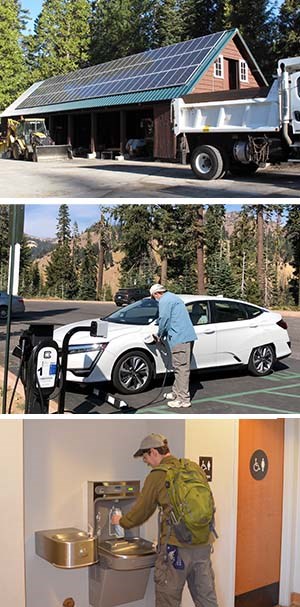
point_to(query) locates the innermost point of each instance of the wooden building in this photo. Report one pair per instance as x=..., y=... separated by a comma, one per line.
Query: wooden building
x=124, y=106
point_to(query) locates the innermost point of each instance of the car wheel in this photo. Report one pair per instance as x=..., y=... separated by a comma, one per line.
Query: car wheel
x=132, y=373
x=3, y=312
x=207, y=162
x=262, y=360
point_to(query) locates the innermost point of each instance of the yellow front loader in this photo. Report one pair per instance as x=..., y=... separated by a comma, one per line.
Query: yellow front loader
x=29, y=139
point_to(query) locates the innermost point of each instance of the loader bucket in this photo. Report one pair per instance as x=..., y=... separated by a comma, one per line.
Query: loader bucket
x=53, y=152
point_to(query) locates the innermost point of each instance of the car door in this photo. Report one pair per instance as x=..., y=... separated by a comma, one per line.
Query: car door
x=205, y=347
x=234, y=335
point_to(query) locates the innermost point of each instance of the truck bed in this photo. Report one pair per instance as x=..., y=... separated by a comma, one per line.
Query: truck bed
x=227, y=95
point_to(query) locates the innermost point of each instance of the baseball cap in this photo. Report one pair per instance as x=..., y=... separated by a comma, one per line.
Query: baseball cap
x=152, y=441
x=157, y=288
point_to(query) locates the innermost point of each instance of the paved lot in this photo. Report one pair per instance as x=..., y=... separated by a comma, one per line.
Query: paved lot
x=230, y=392
x=83, y=178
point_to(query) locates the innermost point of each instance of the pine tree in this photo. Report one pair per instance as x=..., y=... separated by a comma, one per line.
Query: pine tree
x=135, y=224
x=220, y=278
x=110, y=30
x=25, y=265
x=255, y=20
x=243, y=256
x=61, y=39
x=13, y=69
x=105, y=247
x=293, y=234
x=4, y=245
x=214, y=236
x=167, y=23
x=288, y=28
x=36, y=280
x=199, y=17
x=61, y=280
x=88, y=271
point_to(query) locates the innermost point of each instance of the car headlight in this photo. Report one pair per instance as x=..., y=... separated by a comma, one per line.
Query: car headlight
x=84, y=348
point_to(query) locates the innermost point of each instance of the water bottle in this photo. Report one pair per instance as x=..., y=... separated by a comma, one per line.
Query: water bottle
x=118, y=530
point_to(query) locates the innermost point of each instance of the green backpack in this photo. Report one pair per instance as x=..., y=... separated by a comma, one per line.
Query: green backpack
x=192, y=505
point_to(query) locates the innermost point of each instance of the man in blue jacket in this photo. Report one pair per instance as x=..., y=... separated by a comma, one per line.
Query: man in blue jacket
x=176, y=326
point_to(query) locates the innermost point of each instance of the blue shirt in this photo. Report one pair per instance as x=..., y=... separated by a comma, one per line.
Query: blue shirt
x=174, y=322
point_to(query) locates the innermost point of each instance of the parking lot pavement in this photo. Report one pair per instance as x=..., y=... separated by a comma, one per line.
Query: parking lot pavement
x=86, y=178
x=211, y=394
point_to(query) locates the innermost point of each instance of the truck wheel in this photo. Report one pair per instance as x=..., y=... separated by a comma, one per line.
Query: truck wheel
x=207, y=162
x=238, y=169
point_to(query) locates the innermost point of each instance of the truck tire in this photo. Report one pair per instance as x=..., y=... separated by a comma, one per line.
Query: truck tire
x=207, y=162
x=238, y=169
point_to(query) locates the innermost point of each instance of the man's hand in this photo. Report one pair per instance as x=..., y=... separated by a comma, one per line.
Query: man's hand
x=115, y=519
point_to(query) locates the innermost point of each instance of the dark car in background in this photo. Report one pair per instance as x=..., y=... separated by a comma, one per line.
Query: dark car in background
x=130, y=295
x=18, y=306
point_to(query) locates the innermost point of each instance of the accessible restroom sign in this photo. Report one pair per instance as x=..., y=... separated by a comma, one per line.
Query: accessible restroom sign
x=206, y=463
x=259, y=465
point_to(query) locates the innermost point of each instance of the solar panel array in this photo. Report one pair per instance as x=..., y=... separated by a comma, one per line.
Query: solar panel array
x=159, y=68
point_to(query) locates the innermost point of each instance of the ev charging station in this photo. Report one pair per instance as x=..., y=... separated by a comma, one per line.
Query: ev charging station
x=43, y=366
x=39, y=366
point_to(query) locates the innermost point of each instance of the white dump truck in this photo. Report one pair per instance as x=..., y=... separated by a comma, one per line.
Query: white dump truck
x=242, y=134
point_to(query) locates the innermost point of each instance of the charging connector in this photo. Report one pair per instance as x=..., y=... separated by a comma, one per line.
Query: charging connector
x=99, y=328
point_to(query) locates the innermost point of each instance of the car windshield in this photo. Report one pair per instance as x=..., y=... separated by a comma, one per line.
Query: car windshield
x=142, y=312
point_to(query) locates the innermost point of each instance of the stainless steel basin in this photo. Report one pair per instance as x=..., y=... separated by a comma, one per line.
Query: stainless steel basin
x=67, y=548
x=131, y=553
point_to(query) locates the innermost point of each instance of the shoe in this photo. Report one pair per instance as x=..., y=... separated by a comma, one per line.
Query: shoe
x=176, y=404
x=169, y=396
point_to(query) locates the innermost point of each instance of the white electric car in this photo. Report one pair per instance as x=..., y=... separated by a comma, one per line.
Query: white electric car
x=230, y=333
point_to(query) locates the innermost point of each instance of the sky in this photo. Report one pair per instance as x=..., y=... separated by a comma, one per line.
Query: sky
x=34, y=7
x=41, y=219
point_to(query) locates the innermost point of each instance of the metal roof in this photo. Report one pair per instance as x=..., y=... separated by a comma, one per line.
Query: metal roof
x=150, y=73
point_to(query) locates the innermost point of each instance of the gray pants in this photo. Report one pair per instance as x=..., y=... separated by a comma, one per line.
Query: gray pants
x=197, y=572
x=181, y=357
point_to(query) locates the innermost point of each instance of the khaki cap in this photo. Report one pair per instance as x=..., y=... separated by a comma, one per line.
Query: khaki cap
x=152, y=441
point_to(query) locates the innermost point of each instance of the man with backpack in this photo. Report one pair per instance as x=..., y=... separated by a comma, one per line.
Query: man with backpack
x=180, y=490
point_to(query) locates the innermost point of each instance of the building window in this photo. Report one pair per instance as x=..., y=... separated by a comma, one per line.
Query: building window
x=219, y=67
x=243, y=71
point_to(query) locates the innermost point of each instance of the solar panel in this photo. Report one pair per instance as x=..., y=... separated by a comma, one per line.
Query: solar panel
x=172, y=65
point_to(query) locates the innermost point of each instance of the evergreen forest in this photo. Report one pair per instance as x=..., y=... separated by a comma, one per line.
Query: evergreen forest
x=252, y=253
x=73, y=34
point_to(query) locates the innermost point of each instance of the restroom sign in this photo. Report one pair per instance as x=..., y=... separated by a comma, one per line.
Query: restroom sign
x=206, y=463
x=259, y=465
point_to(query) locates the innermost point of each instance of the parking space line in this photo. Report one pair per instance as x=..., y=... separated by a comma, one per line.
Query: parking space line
x=260, y=407
x=237, y=394
x=225, y=399
x=283, y=375
x=286, y=394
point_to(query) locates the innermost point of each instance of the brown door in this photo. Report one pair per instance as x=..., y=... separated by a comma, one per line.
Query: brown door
x=260, y=487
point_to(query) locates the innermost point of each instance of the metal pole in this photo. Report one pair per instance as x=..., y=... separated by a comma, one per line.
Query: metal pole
x=64, y=363
x=8, y=324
